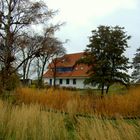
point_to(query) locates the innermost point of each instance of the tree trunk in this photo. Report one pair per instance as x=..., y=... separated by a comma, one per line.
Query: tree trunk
x=28, y=68
x=102, y=91
x=54, y=78
x=24, y=68
x=24, y=74
x=54, y=73
x=107, y=89
x=42, y=71
x=38, y=73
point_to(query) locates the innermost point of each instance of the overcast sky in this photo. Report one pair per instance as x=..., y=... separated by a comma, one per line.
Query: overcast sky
x=83, y=16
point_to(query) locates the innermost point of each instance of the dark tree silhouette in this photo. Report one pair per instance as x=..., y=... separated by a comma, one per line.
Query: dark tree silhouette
x=105, y=57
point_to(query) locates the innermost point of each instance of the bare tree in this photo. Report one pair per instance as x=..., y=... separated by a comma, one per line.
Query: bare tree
x=28, y=48
x=52, y=48
x=59, y=51
x=16, y=16
x=40, y=48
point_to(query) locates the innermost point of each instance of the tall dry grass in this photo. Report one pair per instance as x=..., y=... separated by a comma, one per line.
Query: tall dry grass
x=30, y=122
x=102, y=129
x=60, y=99
x=126, y=105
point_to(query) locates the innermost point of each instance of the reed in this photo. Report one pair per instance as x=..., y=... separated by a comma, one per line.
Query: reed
x=30, y=122
x=115, y=105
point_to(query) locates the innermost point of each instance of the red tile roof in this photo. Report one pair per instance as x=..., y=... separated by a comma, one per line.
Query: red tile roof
x=69, y=60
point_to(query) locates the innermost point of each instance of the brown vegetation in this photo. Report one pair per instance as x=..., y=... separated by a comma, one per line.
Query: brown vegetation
x=126, y=105
x=26, y=122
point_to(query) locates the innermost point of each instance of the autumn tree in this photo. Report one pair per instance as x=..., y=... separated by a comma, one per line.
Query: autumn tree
x=105, y=57
x=16, y=16
x=136, y=66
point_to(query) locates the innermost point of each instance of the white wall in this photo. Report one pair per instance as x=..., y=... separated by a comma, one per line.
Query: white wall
x=79, y=82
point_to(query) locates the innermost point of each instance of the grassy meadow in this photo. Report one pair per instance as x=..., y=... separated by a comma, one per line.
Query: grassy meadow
x=48, y=114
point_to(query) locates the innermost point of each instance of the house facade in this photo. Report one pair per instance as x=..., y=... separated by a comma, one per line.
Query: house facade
x=66, y=73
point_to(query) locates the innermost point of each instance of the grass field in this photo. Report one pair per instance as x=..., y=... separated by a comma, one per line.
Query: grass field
x=31, y=114
x=31, y=122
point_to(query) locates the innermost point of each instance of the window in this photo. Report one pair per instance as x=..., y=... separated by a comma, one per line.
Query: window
x=60, y=81
x=64, y=69
x=74, y=81
x=67, y=81
x=51, y=82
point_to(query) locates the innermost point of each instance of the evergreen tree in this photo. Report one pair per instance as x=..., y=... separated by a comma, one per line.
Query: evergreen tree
x=105, y=57
x=136, y=66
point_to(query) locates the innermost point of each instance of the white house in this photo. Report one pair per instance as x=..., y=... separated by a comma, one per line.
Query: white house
x=67, y=74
